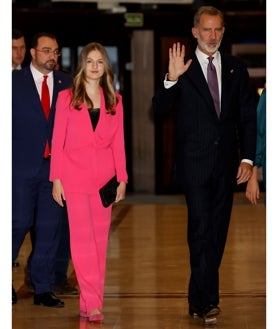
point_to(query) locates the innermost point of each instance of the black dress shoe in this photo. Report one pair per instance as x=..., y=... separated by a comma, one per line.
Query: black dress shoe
x=48, y=299
x=14, y=296
x=211, y=310
x=209, y=315
x=195, y=311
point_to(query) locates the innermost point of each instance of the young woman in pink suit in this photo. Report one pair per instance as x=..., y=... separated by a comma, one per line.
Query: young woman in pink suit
x=87, y=150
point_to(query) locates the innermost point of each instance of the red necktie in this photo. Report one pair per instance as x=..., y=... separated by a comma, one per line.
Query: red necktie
x=45, y=101
x=213, y=85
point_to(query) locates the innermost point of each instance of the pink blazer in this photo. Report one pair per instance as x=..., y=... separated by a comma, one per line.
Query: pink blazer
x=84, y=159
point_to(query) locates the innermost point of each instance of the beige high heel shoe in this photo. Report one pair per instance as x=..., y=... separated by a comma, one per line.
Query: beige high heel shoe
x=96, y=316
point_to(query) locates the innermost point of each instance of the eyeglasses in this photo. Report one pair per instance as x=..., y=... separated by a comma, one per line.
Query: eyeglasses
x=48, y=51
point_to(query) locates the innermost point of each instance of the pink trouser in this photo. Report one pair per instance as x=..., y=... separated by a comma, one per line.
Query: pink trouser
x=89, y=224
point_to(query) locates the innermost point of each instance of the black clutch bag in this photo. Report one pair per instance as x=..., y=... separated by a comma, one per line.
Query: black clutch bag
x=108, y=192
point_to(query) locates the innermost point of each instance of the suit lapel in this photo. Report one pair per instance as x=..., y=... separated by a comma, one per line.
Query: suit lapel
x=195, y=74
x=58, y=84
x=228, y=70
x=29, y=83
x=56, y=89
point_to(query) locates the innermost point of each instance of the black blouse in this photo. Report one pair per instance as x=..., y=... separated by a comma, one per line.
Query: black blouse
x=94, y=115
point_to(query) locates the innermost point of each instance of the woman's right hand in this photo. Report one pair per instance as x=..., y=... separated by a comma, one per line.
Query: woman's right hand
x=252, y=192
x=58, y=192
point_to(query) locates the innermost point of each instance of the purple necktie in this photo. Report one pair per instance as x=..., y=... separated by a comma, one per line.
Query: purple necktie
x=213, y=85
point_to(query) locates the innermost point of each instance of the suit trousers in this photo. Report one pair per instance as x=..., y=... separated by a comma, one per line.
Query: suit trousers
x=209, y=210
x=63, y=253
x=33, y=205
x=89, y=224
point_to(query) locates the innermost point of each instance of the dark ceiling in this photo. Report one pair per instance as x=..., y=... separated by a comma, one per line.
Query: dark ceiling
x=239, y=5
x=245, y=19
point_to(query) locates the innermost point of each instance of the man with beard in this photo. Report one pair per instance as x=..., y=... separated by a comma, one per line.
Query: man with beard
x=32, y=201
x=216, y=142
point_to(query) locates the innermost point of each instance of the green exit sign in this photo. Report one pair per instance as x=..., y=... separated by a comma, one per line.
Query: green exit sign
x=134, y=19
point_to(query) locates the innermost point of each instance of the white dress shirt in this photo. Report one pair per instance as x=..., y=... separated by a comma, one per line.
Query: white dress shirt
x=38, y=78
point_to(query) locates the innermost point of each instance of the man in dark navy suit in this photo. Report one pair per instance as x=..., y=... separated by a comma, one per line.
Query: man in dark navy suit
x=32, y=201
x=216, y=141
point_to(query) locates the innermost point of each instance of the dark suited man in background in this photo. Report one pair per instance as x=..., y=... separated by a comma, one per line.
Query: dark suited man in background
x=216, y=142
x=18, y=49
x=32, y=201
x=18, y=56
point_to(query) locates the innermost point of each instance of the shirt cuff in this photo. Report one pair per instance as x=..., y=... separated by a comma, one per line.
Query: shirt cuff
x=168, y=84
x=247, y=161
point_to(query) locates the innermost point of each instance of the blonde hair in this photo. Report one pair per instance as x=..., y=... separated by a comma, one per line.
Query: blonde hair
x=79, y=94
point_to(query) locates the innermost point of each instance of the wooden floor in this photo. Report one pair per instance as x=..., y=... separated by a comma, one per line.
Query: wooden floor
x=148, y=271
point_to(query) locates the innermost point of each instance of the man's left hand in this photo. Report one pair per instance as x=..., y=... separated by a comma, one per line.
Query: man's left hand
x=244, y=172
